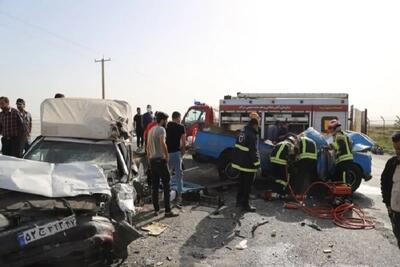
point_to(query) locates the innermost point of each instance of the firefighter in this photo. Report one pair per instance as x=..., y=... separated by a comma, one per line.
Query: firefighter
x=343, y=154
x=254, y=115
x=281, y=155
x=246, y=160
x=306, y=164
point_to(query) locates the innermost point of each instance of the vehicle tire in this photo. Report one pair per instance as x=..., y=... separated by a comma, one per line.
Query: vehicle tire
x=354, y=177
x=225, y=170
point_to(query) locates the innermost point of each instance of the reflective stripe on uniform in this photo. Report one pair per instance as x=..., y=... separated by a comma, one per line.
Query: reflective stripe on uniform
x=282, y=182
x=344, y=158
x=257, y=163
x=279, y=161
x=243, y=148
x=348, y=155
x=307, y=155
x=237, y=167
x=276, y=159
x=335, y=145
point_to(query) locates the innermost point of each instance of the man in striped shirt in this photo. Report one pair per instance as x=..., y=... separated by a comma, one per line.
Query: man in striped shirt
x=11, y=129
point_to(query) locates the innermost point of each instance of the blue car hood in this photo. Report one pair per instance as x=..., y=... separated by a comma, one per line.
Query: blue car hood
x=360, y=139
x=361, y=142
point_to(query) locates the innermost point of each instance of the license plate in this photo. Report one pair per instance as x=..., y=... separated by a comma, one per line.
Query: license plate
x=36, y=233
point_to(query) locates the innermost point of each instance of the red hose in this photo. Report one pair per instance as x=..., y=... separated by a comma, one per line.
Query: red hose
x=340, y=215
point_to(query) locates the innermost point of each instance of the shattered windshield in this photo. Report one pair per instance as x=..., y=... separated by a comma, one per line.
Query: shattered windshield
x=103, y=155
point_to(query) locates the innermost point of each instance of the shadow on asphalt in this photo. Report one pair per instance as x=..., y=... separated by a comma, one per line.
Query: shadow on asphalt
x=363, y=201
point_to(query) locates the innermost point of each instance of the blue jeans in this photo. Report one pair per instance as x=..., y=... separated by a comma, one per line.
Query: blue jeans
x=175, y=164
x=395, y=219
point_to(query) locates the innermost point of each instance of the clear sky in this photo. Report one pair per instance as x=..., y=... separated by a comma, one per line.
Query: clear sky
x=169, y=53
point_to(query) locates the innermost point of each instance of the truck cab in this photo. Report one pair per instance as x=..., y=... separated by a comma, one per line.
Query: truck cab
x=198, y=117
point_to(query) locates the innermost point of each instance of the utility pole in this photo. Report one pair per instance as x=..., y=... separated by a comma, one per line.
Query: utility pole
x=102, y=60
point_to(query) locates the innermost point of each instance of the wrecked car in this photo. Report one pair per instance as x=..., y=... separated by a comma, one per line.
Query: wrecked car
x=71, y=199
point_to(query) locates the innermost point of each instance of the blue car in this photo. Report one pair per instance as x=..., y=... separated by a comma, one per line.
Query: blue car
x=218, y=147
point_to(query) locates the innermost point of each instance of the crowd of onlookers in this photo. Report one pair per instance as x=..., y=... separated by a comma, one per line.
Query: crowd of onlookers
x=164, y=143
x=15, y=127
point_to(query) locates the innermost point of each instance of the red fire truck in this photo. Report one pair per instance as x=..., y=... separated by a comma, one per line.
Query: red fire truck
x=300, y=111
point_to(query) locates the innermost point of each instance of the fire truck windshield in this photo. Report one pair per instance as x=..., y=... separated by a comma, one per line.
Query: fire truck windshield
x=195, y=115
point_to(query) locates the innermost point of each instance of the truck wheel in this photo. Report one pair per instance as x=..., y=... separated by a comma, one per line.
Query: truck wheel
x=225, y=170
x=354, y=177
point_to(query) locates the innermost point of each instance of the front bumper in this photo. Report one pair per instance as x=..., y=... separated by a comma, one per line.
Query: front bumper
x=82, y=241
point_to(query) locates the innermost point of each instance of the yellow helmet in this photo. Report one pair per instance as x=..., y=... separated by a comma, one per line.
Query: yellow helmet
x=254, y=115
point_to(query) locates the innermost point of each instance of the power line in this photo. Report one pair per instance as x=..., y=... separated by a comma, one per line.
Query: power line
x=53, y=34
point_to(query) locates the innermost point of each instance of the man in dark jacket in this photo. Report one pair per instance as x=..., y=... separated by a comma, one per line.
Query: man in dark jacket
x=390, y=186
x=246, y=160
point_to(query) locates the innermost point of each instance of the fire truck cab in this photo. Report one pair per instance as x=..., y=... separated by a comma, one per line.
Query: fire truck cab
x=198, y=117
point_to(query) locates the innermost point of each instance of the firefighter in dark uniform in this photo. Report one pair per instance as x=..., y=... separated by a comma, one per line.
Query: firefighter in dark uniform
x=281, y=154
x=246, y=160
x=306, y=164
x=343, y=154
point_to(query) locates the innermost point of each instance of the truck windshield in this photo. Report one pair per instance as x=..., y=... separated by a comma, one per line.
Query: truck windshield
x=195, y=115
x=103, y=155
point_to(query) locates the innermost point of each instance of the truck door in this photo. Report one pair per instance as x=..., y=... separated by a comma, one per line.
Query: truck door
x=194, y=120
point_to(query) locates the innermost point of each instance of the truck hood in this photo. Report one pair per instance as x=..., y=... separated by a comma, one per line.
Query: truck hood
x=361, y=142
x=360, y=139
x=52, y=180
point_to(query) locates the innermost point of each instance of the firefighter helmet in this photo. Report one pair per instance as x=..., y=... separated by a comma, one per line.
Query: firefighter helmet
x=333, y=124
x=254, y=115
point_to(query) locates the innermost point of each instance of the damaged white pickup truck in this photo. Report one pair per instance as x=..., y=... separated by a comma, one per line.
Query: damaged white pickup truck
x=70, y=201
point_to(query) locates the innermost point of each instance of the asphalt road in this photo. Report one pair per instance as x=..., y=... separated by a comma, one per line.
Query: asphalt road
x=194, y=239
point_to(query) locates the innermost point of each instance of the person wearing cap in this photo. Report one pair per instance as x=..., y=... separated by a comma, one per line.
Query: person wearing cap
x=157, y=154
x=390, y=187
x=246, y=161
x=27, y=120
x=281, y=156
x=342, y=147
